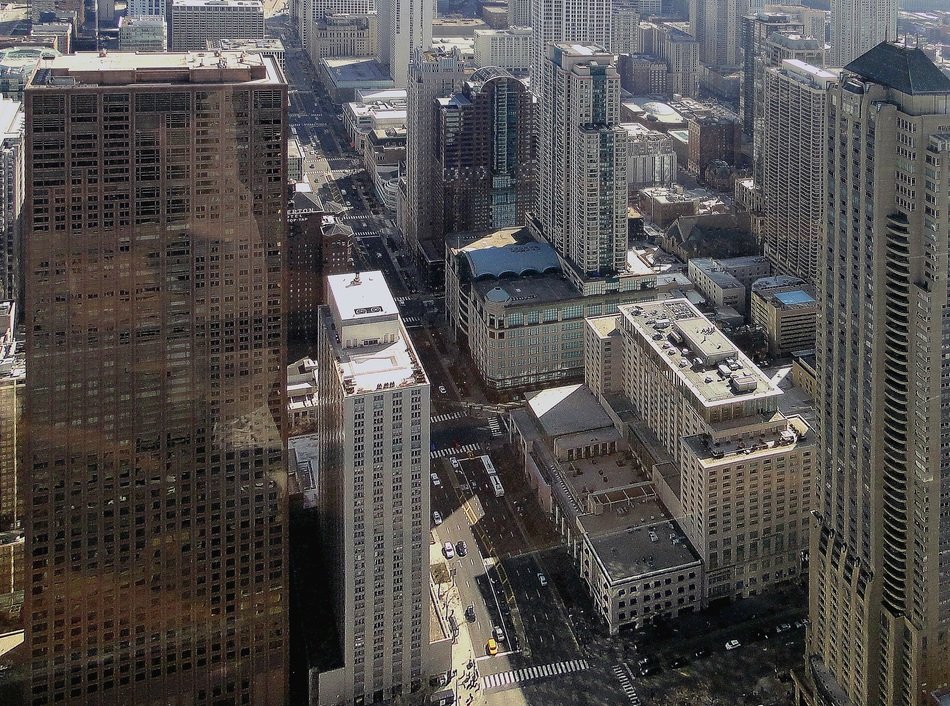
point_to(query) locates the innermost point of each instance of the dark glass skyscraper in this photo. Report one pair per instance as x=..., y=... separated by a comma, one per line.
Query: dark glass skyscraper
x=156, y=534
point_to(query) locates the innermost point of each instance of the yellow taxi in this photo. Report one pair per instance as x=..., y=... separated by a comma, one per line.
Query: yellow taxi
x=492, y=647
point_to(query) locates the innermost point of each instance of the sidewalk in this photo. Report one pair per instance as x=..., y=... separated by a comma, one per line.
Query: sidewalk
x=467, y=681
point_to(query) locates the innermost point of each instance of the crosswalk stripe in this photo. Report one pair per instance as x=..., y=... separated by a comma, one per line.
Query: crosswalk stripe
x=542, y=670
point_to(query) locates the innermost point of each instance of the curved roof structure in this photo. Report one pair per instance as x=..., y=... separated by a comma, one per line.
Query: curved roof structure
x=516, y=260
x=487, y=73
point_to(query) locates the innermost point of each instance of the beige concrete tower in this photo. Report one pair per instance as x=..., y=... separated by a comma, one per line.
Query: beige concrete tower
x=156, y=504
x=880, y=550
x=374, y=491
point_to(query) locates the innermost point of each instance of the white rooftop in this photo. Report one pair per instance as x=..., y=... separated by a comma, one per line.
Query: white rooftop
x=361, y=296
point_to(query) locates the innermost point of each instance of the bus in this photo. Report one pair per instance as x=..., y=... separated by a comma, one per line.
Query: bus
x=496, y=485
x=489, y=466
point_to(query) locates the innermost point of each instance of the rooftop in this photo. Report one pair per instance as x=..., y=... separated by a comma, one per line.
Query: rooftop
x=905, y=69
x=650, y=542
x=346, y=70
x=253, y=45
x=605, y=326
x=508, y=251
x=567, y=410
x=716, y=272
x=530, y=291
x=361, y=296
x=255, y=4
x=796, y=432
x=153, y=68
x=697, y=353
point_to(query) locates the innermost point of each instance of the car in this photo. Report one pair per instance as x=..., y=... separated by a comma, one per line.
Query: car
x=455, y=462
x=784, y=627
x=437, y=517
x=435, y=480
x=448, y=550
x=733, y=645
x=645, y=661
x=491, y=647
x=442, y=390
x=679, y=662
x=648, y=669
x=700, y=653
x=470, y=613
x=499, y=634
x=542, y=580
x=461, y=548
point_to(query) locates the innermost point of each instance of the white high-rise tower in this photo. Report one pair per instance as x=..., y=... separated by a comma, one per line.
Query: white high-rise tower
x=859, y=25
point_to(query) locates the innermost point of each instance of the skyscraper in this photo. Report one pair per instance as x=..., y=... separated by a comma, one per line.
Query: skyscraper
x=191, y=23
x=432, y=74
x=156, y=531
x=374, y=491
x=565, y=21
x=795, y=97
x=583, y=175
x=405, y=27
x=880, y=552
x=486, y=152
x=11, y=201
x=716, y=26
x=756, y=30
x=859, y=25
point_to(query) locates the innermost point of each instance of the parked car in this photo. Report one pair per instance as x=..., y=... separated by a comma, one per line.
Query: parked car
x=437, y=517
x=542, y=580
x=448, y=550
x=733, y=645
x=470, y=613
x=461, y=548
x=442, y=390
x=499, y=634
x=435, y=480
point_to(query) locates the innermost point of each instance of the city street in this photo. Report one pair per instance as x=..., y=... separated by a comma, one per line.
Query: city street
x=554, y=649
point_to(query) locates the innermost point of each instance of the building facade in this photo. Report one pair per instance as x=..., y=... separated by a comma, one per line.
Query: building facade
x=143, y=33
x=583, y=159
x=508, y=49
x=405, y=28
x=374, y=491
x=193, y=22
x=755, y=32
x=794, y=130
x=11, y=202
x=12, y=432
x=880, y=548
x=554, y=21
x=858, y=26
x=486, y=156
x=433, y=74
x=746, y=470
x=716, y=26
x=154, y=292
x=787, y=311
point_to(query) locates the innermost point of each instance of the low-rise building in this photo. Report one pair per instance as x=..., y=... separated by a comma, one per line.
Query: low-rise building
x=302, y=396
x=60, y=34
x=509, y=302
x=631, y=553
x=373, y=110
x=506, y=48
x=143, y=33
x=717, y=283
x=383, y=153
x=295, y=158
x=343, y=76
x=651, y=160
x=786, y=308
x=17, y=65
x=344, y=34
x=274, y=48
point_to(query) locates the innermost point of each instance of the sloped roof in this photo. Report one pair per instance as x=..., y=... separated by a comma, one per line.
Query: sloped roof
x=904, y=69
